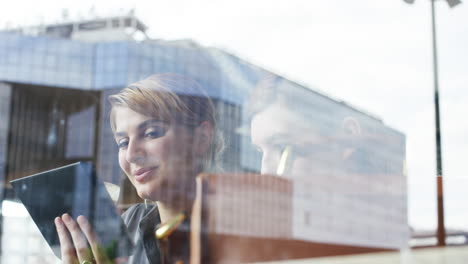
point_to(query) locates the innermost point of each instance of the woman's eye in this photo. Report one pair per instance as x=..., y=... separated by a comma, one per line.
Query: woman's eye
x=122, y=144
x=155, y=132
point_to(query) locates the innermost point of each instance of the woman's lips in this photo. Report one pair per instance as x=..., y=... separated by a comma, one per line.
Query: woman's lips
x=141, y=175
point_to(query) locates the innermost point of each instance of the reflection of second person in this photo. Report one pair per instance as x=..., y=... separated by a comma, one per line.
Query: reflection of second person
x=166, y=132
x=299, y=133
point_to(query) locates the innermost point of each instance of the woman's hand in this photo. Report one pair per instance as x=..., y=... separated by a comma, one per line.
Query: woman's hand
x=74, y=238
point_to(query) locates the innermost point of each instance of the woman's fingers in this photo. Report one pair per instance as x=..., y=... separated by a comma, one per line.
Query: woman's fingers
x=98, y=252
x=79, y=240
x=75, y=239
x=66, y=246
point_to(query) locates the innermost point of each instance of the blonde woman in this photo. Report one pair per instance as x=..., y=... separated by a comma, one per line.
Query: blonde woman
x=165, y=129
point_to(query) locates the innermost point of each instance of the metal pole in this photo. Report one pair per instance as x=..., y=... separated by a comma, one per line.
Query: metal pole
x=440, y=191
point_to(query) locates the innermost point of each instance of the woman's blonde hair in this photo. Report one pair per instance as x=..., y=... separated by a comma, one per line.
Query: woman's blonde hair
x=172, y=98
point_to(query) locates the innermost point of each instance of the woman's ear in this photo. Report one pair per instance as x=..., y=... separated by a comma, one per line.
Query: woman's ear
x=203, y=137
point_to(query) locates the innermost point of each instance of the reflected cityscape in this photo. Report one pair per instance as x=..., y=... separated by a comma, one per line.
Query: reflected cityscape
x=303, y=174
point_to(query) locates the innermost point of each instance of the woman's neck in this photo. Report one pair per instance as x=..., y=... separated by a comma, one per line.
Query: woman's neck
x=170, y=207
x=166, y=212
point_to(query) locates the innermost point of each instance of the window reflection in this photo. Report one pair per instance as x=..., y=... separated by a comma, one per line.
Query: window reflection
x=299, y=169
x=343, y=164
x=44, y=127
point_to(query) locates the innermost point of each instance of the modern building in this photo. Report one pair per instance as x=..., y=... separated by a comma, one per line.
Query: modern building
x=54, y=84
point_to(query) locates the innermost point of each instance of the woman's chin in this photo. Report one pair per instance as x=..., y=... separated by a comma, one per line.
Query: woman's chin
x=146, y=195
x=165, y=193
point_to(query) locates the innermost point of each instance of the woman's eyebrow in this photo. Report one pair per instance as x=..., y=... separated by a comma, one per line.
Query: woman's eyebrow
x=119, y=134
x=150, y=122
x=141, y=126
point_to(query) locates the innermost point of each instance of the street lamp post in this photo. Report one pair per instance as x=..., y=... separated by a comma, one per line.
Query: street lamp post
x=440, y=191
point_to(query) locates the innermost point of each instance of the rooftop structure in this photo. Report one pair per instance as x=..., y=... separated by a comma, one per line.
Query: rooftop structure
x=118, y=28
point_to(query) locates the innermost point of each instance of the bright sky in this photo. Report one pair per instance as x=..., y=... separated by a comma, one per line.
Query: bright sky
x=375, y=55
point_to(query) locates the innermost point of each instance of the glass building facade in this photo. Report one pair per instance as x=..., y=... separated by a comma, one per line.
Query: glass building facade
x=344, y=168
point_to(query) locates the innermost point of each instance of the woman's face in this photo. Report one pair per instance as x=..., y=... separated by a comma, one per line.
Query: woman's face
x=156, y=156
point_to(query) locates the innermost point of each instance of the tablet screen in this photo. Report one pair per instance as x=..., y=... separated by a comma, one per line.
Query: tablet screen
x=73, y=189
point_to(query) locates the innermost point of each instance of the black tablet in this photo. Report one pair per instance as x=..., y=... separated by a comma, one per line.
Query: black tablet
x=73, y=189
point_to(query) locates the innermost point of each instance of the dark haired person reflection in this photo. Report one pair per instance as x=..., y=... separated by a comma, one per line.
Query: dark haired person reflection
x=346, y=167
x=297, y=133
x=166, y=132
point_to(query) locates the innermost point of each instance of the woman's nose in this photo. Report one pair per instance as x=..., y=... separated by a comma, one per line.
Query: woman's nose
x=135, y=152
